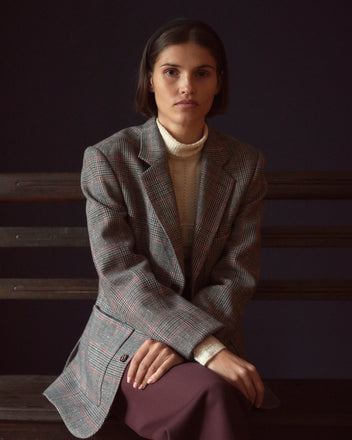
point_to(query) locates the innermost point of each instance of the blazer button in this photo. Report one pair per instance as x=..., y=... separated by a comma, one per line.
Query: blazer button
x=124, y=358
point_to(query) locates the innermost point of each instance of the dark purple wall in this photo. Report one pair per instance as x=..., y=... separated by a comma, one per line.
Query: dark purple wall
x=67, y=81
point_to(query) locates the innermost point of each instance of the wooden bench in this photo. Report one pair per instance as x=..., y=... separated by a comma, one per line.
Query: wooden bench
x=310, y=408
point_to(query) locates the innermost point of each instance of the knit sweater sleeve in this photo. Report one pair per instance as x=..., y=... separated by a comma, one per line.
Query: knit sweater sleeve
x=207, y=349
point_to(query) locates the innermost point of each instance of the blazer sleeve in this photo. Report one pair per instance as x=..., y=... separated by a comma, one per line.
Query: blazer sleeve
x=235, y=275
x=128, y=289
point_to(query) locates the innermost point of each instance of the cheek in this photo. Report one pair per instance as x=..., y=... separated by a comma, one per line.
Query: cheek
x=210, y=91
x=160, y=99
x=216, y=88
x=163, y=92
x=212, y=94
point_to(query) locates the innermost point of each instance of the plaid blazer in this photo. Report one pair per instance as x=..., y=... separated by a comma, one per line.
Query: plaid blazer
x=137, y=249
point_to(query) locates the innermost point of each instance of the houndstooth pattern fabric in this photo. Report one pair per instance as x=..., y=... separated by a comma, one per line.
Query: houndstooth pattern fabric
x=137, y=248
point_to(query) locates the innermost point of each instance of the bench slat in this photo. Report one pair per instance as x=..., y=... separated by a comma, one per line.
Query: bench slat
x=86, y=289
x=274, y=236
x=282, y=185
x=305, y=290
x=21, y=398
x=48, y=288
x=38, y=237
x=305, y=402
x=319, y=185
x=37, y=187
x=307, y=236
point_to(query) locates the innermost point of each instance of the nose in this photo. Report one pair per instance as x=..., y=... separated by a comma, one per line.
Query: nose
x=187, y=85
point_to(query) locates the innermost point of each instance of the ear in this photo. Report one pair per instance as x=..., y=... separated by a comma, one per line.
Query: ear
x=151, y=85
x=219, y=83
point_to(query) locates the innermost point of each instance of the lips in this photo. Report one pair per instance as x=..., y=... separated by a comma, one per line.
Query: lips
x=187, y=103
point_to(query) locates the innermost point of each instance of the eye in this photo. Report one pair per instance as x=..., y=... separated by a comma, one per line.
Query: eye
x=171, y=72
x=203, y=73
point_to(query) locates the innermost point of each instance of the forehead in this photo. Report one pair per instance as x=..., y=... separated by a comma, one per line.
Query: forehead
x=185, y=54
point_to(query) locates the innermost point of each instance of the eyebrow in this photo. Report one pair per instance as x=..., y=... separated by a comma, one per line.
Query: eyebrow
x=197, y=67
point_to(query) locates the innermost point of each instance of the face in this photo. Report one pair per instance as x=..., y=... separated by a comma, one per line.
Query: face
x=184, y=82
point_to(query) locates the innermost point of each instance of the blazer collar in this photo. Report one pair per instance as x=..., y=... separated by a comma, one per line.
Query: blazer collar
x=158, y=186
x=216, y=184
x=152, y=148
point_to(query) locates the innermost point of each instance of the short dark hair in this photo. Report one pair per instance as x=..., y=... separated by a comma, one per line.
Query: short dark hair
x=179, y=31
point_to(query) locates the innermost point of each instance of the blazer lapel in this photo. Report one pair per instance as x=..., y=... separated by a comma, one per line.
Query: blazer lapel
x=158, y=186
x=216, y=184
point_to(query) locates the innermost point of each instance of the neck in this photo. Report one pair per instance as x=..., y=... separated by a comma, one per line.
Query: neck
x=184, y=134
x=178, y=149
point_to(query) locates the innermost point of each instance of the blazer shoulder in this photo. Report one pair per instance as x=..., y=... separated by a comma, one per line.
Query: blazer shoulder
x=125, y=141
x=236, y=149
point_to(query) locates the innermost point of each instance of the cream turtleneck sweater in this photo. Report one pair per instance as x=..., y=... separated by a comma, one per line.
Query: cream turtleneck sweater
x=184, y=164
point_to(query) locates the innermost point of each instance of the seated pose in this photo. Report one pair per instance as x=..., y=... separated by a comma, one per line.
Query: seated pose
x=174, y=212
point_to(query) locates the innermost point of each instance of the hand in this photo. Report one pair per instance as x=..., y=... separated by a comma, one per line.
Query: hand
x=239, y=373
x=152, y=360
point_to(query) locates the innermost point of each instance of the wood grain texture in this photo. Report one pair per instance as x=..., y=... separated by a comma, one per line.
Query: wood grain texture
x=273, y=236
x=86, y=289
x=44, y=187
x=282, y=185
x=319, y=407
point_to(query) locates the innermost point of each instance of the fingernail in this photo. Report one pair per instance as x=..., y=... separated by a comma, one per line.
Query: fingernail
x=141, y=387
x=128, y=379
x=135, y=385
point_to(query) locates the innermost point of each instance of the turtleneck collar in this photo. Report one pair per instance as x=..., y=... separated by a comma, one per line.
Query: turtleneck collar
x=178, y=149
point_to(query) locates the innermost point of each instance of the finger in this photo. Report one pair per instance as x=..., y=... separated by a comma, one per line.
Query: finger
x=254, y=386
x=247, y=384
x=170, y=362
x=163, y=355
x=239, y=384
x=145, y=368
x=151, y=371
x=135, y=361
x=153, y=352
x=259, y=386
x=132, y=369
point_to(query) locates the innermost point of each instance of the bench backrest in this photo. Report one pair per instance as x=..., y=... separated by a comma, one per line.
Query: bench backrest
x=51, y=187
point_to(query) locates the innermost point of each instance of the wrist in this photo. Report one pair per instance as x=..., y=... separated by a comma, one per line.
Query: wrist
x=207, y=349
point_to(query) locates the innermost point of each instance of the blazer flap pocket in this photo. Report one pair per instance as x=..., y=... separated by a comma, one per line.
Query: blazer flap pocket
x=102, y=338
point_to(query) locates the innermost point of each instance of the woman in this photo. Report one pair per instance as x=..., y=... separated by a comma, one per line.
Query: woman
x=174, y=212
